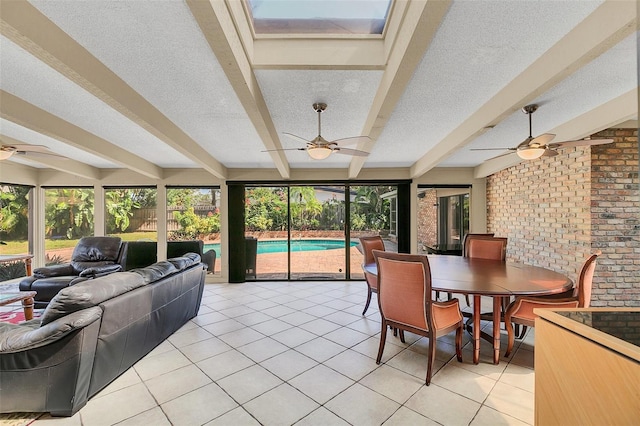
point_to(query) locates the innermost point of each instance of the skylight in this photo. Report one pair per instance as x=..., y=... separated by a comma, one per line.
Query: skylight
x=360, y=17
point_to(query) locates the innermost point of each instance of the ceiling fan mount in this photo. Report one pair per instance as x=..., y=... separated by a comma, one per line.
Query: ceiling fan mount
x=530, y=109
x=319, y=107
x=319, y=148
x=539, y=146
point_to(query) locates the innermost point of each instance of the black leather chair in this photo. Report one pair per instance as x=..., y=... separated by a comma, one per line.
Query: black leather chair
x=92, y=257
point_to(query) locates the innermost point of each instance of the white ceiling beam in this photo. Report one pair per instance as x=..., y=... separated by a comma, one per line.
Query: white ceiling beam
x=30, y=29
x=217, y=26
x=30, y=116
x=605, y=116
x=66, y=165
x=419, y=25
x=602, y=29
x=319, y=53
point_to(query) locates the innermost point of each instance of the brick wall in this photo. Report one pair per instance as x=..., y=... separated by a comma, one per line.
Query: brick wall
x=427, y=220
x=615, y=218
x=557, y=210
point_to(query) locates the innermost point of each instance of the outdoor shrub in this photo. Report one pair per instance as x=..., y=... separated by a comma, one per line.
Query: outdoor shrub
x=9, y=271
x=193, y=225
x=55, y=259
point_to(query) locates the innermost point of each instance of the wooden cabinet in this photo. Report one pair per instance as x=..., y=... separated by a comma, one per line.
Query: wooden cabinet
x=587, y=367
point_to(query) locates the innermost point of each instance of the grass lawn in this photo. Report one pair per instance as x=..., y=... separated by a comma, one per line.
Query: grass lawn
x=18, y=247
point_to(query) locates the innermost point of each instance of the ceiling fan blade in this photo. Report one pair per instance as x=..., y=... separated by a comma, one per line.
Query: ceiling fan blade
x=284, y=149
x=512, y=151
x=492, y=149
x=352, y=140
x=296, y=137
x=41, y=154
x=349, y=151
x=31, y=148
x=543, y=139
x=549, y=153
x=581, y=142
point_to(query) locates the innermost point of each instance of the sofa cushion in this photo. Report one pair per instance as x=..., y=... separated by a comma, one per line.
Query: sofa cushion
x=54, y=271
x=185, y=261
x=30, y=334
x=96, y=249
x=153, y=273
x=78, y=267
x=90, y=293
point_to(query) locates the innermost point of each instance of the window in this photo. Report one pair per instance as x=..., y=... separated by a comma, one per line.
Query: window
x=193, y=213
x=14, y=227
x=68, y=216
x=319, y=17
x=131, y=213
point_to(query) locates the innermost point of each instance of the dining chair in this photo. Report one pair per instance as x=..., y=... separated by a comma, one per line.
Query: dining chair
x=520, y=311
x=465, y=243
x=406, y=304
x=493, y=248
x=368, y=245
x=468, y=237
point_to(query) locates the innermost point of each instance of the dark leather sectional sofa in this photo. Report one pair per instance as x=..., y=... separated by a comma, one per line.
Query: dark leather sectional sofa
x=92, y=332
x=94, y=257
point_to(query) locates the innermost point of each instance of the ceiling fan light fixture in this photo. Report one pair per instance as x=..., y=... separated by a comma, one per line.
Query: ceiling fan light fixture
x=530, y=153
x=319, y=152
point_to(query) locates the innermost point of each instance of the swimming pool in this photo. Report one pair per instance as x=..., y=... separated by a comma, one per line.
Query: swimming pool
x=280, y=246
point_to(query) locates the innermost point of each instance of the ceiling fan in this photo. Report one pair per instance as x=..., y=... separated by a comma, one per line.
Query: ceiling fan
x=319, y=148
x=8, y=150
x=532, y=148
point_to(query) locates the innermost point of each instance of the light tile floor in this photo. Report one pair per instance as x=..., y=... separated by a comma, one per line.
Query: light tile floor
x=282, y=353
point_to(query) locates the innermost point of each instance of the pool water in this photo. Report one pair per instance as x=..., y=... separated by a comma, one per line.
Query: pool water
x=280, y=246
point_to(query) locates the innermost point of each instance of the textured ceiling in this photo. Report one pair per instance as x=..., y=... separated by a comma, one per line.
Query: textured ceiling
x=153, y=86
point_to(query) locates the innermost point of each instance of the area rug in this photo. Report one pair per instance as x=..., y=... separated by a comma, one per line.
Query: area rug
x=18, y=419
x=17, y=316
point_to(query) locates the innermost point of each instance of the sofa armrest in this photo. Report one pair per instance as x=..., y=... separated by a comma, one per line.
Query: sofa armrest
x=98, y=271
x=54, y=271
x=29, y=335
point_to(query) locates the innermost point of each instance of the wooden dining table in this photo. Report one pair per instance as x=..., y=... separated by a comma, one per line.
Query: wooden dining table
x=493, y=278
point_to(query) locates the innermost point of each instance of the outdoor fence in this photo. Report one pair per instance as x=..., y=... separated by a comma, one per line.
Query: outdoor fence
x=147, y=219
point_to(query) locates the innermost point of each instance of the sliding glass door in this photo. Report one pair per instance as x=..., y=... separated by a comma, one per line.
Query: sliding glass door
x=311, y=231
x=317, y=239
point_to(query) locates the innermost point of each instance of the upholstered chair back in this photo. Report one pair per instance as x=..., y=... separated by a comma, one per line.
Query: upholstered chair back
x=404, y=288
x=368, y=245
x=487, y=248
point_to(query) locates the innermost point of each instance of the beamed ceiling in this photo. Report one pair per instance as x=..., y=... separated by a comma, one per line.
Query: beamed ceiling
x=155, y=86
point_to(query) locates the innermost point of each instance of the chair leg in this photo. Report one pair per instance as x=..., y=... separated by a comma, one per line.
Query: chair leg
x=522, y=333
x=511, y=335
x=402, y=336
x=366, y=305
x=383, y=338
x=432, y=357
x=466, y=299
x=459, y=343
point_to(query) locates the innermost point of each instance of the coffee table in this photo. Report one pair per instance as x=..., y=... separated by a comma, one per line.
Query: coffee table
x=26, y=297
x=10, y=258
